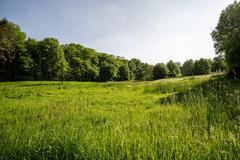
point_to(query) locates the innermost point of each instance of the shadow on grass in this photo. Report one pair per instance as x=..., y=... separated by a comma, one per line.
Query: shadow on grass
x=220, y=94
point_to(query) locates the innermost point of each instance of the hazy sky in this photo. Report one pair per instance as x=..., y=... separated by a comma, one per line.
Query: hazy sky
x=151, y=30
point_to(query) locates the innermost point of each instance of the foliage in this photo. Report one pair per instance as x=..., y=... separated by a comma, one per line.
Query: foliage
x=12, y=47
x=82, y=62
x=173, y=68
x=226, y=36
x=202, y=66
x=124, y=72
x=148, y=72
x=188, y=68
x=53, y=63
x=160, y=70
x=108, y=67
x=138, y=70
x=46, y=59
x=219, y=64
x=132, y=68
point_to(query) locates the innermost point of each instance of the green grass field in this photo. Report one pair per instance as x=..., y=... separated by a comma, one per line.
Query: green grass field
x=183, y=118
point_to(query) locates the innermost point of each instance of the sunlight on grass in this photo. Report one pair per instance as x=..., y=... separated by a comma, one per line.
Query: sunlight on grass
x=166, y=119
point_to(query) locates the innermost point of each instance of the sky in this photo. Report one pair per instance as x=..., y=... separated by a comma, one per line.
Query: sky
x=153, y=31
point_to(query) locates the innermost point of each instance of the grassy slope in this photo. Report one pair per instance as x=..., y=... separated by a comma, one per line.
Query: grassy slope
x=184, y=118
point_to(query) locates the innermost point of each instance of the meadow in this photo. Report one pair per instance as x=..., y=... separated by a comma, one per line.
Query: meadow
x=181, y=118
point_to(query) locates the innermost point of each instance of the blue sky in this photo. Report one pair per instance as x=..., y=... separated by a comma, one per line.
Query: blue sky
x=151, y=30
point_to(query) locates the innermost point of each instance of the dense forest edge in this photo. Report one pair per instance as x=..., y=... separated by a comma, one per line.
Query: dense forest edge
x=23, y=58
x=48, y=60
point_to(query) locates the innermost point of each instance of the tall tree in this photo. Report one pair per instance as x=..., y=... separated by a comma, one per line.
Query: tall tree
x=108, y=67
x=53, y=63
x=202, y=66
x=148, y=72
x=89, y=54
x=11, y=47
x=123, y=72
x=226, y=36
x=174, y=68
x=91, y=71
x=82, y=61
x=32, y=48
x=138, y=69
x=219, y=64
x=160, y=70
x=187, y=68
x=132, y=68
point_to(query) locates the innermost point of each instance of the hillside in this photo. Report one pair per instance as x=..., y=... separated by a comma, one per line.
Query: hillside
x=179, y=118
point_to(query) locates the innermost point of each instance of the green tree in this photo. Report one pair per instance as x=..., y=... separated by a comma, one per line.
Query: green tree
x=107, y=72
x=77, y=69
x=160, y=70
x=187, y=68
x=108, y=67
x=89, y=54
x=12, y=41
x=123, y=69
x=72, y=50
x=226, y=36
x=32, y=48
x=82, y=61
x=147, y=72
x=219, y=64
x=91, y=71
x=23, y=64
x=72, y=53
x=202, y=66
x=174, y=68
x=138, y=69
x=53, y=63
x=132, y=68
x=124, y=72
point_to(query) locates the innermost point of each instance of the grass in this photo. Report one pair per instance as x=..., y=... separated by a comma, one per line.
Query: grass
x=183, y=118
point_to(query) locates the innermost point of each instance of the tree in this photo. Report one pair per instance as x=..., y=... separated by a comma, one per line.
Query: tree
x=160, y=70
x=89, y=54
x=138, y=68
x=148, y=72
x=77, y=69
x=226, y=36
x=123, y=72
x=202, y=66
x=219, y=64
x=32, y=48
x=174, y=68
x=72, y=50
x=91, y=71
x=132, y=68
x=23, y=65
x=53, y=63
x=82, y=61
x=107, y=72
x=107, y=66
x=11, y=47
x=187, y=68
x=72, y=53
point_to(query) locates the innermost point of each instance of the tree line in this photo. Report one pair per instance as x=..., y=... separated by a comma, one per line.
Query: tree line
x=23, y=58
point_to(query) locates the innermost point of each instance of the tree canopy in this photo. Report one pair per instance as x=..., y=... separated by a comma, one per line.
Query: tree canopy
x=226, y=36
x=188, y=68
x=47, y=59
x=160, y=70
x=12, y=50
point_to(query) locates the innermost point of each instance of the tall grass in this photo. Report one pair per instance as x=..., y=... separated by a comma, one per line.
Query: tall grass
x=185, y=118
